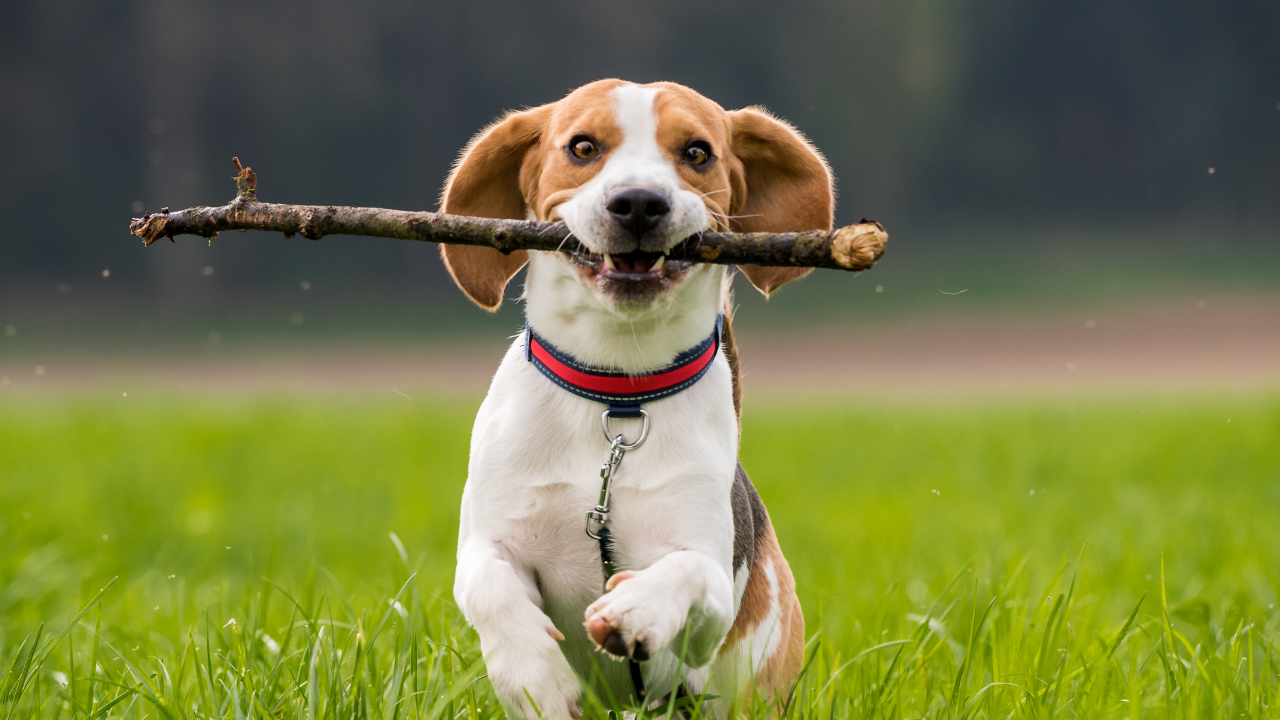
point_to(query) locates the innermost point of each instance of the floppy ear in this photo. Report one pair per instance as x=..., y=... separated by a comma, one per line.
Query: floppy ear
x=783, y=185
x=486, y=182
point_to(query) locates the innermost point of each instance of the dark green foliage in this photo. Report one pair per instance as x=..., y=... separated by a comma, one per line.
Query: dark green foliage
x=930, y=112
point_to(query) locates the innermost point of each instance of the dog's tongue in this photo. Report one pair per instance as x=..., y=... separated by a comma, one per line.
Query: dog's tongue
x=634, y=263
x=631, y=264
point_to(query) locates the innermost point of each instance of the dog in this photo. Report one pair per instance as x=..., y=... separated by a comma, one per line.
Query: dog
x=678, y=574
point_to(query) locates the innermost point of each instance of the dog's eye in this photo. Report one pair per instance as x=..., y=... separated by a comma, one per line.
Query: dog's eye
x=583, y=148
x=698, y=153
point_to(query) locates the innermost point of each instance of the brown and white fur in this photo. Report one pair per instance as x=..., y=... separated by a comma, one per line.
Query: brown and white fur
x=702, y=573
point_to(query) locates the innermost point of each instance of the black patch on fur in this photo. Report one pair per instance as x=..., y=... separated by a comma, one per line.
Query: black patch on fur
x=749, y=519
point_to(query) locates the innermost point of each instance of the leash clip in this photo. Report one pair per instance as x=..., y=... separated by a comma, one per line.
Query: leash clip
x=598, y=516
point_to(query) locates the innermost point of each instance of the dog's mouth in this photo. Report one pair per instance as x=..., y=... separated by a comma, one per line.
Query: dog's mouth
x=631, y=267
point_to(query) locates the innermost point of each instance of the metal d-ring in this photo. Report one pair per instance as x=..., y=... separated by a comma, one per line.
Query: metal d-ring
x=644, y=430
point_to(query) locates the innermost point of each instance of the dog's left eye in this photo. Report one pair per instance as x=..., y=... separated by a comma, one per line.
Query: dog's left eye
x=583, y=148
x=698, y=153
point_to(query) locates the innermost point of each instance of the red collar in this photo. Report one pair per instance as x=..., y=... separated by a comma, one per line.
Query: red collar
x=623, y=393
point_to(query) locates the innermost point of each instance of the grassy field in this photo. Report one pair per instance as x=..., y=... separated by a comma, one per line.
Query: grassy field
x=292, y=557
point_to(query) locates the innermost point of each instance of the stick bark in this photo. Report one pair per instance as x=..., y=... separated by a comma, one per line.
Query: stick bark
x=855, y=247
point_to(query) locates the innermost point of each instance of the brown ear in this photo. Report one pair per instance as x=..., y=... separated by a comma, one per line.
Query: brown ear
x=486, y=182
x=784, y=185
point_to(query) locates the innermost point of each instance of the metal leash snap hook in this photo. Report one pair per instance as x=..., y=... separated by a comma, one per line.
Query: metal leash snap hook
x=644, y=430
x=599, y=518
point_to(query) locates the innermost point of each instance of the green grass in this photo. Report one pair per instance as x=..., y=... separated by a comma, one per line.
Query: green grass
x=1065, y=558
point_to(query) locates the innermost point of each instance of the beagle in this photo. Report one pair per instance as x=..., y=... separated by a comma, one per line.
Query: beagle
x=678, y=574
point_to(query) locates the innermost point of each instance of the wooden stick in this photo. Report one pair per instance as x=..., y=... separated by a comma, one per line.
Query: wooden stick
x=855, y=247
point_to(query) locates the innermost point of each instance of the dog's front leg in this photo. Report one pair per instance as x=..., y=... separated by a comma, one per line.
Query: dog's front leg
x=645, y=610
x=517, y=638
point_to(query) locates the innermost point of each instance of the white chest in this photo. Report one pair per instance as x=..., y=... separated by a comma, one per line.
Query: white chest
x=534, y=473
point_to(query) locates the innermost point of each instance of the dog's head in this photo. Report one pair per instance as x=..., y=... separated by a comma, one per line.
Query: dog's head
x=633, y=170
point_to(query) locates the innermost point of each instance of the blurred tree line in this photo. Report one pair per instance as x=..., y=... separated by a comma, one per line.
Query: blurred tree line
x=934, y=114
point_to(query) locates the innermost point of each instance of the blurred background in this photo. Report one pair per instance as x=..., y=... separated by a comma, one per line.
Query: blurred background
x=1075, y=192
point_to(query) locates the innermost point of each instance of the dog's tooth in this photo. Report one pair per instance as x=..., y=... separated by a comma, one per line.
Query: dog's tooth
x=657, y=264
x=608, y=262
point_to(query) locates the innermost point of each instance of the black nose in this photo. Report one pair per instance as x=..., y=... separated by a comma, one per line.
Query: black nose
x=639, y=210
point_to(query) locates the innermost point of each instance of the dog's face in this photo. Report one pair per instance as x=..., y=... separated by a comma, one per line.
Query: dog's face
x=633, y=170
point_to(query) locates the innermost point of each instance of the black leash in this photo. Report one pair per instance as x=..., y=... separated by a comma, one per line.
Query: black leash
x=599, y=516
x=606, y=561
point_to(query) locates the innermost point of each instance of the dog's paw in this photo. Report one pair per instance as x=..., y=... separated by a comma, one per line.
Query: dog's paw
x=634, y=619
x=533, y=671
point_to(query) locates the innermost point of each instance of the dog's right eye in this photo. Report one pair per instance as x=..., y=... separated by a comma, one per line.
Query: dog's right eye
x=583, y=148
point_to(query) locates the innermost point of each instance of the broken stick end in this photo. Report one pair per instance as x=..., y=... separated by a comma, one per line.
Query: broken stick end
x=857, y=247
x=148, y=227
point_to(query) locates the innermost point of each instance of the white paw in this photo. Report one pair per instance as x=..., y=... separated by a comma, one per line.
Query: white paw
x=635, y=618
x=533, y=668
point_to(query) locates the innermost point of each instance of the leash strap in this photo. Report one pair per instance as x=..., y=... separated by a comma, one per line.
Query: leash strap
x=598, y=520
x=606, y=561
